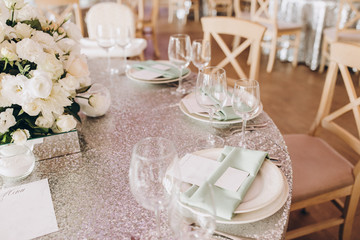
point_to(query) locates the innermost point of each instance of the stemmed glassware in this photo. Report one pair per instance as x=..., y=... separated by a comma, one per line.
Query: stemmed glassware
x=106, y=39
x=211, y=94
x=123, y=40
x=191, y=223
x=245, y=101
x=201, y=53
x=151, y=159
x=179, y=53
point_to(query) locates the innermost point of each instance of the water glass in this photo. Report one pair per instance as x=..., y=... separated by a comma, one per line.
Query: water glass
x=201, y=53
x=245, y=101
x=105, y=37
x=179, y=53
x=123, y=40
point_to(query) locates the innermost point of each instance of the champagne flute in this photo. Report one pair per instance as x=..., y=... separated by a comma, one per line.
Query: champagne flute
x=123, y=40
x=201, y=53
x=211, y=94
x=245, y=101
x=179, y=52
x=151, y=159
x=106, y=39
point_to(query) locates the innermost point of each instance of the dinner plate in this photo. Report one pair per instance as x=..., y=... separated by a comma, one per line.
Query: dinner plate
x=204, y=117
x=266, y=187
x=158, y=80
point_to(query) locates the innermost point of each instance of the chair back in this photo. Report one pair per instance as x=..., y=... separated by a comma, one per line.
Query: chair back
x=223, y=6
x=264, y=11
x=251, y=32
x=348, y=19
x=138, y=9
x=109, y=13
x=59, y=10
x=343, y=56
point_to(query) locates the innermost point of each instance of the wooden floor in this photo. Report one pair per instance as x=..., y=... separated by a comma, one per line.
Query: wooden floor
x=289, y=95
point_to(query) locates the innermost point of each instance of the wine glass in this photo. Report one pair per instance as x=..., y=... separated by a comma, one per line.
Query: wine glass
x=191, y=223
x=151, y=159
x=179, y=52
x=201, y=53
x=123, y=40
x=106, y=39
x=211, y=94
x=245, y=101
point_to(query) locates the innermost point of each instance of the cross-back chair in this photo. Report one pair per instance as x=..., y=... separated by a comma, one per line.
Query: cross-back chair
x=320, y=173
x=112, y=14
x=344, y=31
x=175, y=5
x=251, y=32
x=265, y=12
x=51, y=10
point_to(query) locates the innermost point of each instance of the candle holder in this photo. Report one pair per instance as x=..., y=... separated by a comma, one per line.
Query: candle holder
x=16, y=161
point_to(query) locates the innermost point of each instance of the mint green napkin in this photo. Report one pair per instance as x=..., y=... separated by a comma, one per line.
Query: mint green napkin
x=227, y=113
x=172, y=72
x=227, y=201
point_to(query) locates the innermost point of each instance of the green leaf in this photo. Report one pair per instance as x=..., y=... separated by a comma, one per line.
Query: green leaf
x=83, y=89
x=5, y=138
x=34, y=23
x=73, y=110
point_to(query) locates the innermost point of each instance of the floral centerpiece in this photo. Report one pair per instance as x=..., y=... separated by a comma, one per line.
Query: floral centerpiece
x=41, y=72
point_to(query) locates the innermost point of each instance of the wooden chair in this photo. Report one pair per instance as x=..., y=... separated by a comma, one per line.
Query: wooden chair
x=261, y=12
x=51, y=10
x=222, y=6
x=111, y=13
x=344, y=30
x=252, y=34
x=320, y=173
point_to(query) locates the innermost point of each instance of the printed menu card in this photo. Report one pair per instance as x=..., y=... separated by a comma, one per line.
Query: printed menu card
x=27, y=211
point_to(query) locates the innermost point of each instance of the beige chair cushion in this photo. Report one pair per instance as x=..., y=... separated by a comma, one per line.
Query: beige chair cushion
x=317, y=167
x=330, y=34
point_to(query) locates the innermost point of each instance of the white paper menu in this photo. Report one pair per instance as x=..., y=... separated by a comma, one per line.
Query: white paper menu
x=27, y=211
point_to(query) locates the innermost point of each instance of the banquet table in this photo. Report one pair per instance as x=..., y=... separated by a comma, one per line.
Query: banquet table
x=315, y=15
x=90, y=189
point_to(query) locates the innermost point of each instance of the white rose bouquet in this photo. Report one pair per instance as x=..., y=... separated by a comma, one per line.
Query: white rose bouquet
x=41, y=72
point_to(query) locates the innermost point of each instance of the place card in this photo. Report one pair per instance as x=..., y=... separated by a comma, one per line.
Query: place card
x=232, y=179
x=196, y=169
x=27, y=211
x=161, y=66
x=145, y=74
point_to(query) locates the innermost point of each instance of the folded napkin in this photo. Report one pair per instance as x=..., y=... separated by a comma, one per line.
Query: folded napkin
x=227, y=201
x=171, y=72
x=226, y=113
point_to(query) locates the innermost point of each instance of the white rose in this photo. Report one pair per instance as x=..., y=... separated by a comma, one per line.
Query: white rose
x=77, y=66
x=64, y=123
x=45, y=40
x=14, y=89
x=99, y=104
x=30, y=50
x=73, y=31
x=23, y=30
x=20, y=136
x=44, y=122
x=66, y=45
x=7, y=120
x=40, y=84
x=28, y=12
x=49, y=63
x=70, y=83
x=8, y=50
x=4, y=12
x=14, y=4
x=32, y=108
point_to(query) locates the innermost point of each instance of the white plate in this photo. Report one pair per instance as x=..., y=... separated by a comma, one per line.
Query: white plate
x=158, y=80
x=266, y=187
x=205, y=118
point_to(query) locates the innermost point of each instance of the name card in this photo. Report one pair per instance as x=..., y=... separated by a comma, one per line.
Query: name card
x=27, y=211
